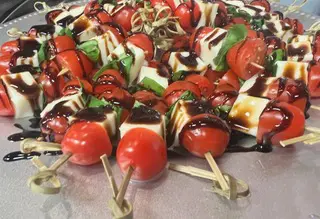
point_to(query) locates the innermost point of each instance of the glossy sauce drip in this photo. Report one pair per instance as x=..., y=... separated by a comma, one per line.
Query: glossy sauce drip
x=279, y=13
x=95, y=114
x=198, y=107
x=35, y=123
x=23, y=135
x=144, y=115
x=17, y=155
x=23, y=68
x=64, y=22
x=196, y=37
x=258, y=88
x=29, y=45
x=80, y=25
x=257, y=148
x=190, y=60
x=52, y=153
x=217, y=40
x=128, y=52
x=301, y=51
x=205, y=122
x=163, y=70
x=43, y=30
x=31, y=92
x=285, y=26
x=274, y=42
x=227, y=95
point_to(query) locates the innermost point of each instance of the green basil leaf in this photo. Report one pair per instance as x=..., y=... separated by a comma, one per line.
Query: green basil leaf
x=91, y=49
x=42, y=52
x=102, y=2
x=152, y=85
x=277, y=55
x=256, y=24
x=137, y=104
x=179, y=75
x=239, y=13
x=241, y=81
x=222, y=111
x=111, y=65
x=125, y=65
x=236, y=34
x=65, y=31
x=187, y=95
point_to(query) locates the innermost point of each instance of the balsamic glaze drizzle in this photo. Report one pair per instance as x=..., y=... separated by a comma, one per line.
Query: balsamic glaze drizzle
x=17, y=155
x=24, y=134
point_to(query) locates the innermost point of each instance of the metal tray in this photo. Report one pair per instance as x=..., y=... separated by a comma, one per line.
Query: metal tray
x=283, y=184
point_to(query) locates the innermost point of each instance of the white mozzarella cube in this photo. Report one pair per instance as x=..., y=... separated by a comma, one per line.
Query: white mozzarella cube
x=32, y=60
x=25, y=94
x=293, y=70
x=84, y=28
x=245, y=114
x=61, y=16
x=280, y=29
x=186, y=61
x=302, y=38
x=300, y=51
x=208, y=13
x=210, y=46
x=153, y=74
x=257, y=86
x=77, y=11
x=252, y=10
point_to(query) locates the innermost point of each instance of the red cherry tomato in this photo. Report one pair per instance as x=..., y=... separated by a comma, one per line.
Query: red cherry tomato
x=162, y=3
x=314, y=80
x=244, y=57
x=262, y=3
x=144, y=42
x=74, y=86
x=274, y=43
x=52, y=15
x=280, y=122
x=145, y=151
x=223, y=95
x=316, y=47
x=205, y=133
x=172, y=4
x=6, y=108
x=231, y=79
x=151, y=100
x=189, y=15
x=206, y=87
x=78, y=64
x=176, y=89
x=181, y=42
x=52, y=84
x=60, y=44
x=87, y=141
x=10, y=47
x=119, y=97
x=119, y=32
x=213, y=76
x=296, y=25
x=222, y=15
x=196, y=36
x=109, y=77
x=5, y=64
x=123, y=17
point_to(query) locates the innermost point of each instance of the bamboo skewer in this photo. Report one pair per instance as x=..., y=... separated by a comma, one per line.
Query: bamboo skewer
x=298, y=139
x=124, y=186
x=315, y=107
x=312, y=129
x=110, y=177
x=29, y=145
x=62, y=72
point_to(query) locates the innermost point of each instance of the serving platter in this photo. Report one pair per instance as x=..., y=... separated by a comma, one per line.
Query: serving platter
x=283, y=184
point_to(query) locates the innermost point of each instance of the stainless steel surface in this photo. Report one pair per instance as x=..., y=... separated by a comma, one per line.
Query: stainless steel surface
x=283, y=184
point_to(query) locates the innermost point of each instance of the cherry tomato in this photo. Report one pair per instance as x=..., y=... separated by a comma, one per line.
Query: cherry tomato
x=196, y=36
x=205, y=133
x=123, y=17
x=60, y=44
x=189, y=15
x=151, y=100
x=5, y=64
x=173, y=4
x=163, y=69
x=145, y=151
x=10, y=47
x=78, y=64
x=87, y=141
x=245, y=57
x=206, y=87
x=213, y=76
x=119, y=32
x=231, y=79
x=162, y=3
x=222, y=15
x=119, y=97
x=296, y=25
x=316, y=47
x=314, y=80
x=224, y=94
x=176, y=89
x=274, y=43
x=144, y=42
x=181, y=42
x=109, y=77
x=52, y=15
x=76, y=85
x=282, y=121
x=52, y=84
x=262, y=3
x=6, y=108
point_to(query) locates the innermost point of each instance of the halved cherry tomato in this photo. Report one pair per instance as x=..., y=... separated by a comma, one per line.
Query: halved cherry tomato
x=314, y=80
x=196, y=36
x=221, y=19
x=162, y=3
x=119, y=32
x=6, y=108
x=231, y=79
x=74, y=86
x=278, y=122
x=246, y=56
x=52, y=15
x=60, y=44
x=5, y=64
x=181, y=42
x=205, y=133
x=78, y=64
x=119, y=97
x=189, y=15
x=173, y=4
x=151, y=100
x=87, y=141
x=143, y=150
x=123, y=17
x=206, y=87
x=109, y=77
x=10, y=47
x=224, y=94
x=262, y=3
x=316, y=47
x=296, y=25
x=144, y=42
x=176, y=89
x=214, y=76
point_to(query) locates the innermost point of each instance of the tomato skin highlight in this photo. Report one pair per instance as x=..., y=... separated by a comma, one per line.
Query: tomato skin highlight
x=87, y=141
x=74, y=86
x=10, y=47
x=199, y=140
x=145, y=151
x=205, y=86
x=61, y=44
x=123, y=17
x=144, y=42
x=271, y=119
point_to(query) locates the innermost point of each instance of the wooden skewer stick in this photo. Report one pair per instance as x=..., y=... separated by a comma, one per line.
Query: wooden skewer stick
x=193, y=171
x=298, y=139
x=315, y=107
x=312, y=140
x=312, y=129
x=62, y=72
x=224, y=185
x=37, y=163
x=29, y=145
x=110, y=177
x=124, y=186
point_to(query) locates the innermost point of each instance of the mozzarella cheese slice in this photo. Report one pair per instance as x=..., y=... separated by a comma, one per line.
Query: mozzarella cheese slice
x=25, y=94
x=210, y=46
x=300, y=51
x=75, y=102
x=257, y=86
x=280, y=29
x=245, y=113
x=208, y=13
x=32, y=60
x=302, y=38
x=138, y=61
x=139, y=118
x=293, y=70
x=83, y=28
x=77, y=11
x=270, y=17
x=153, y=74
x=252, y=10
x=186, y=61
x=61, y=16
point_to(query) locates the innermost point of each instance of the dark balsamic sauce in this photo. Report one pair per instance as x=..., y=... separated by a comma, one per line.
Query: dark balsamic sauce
x=96, y=114
x=190, y=60
x=198, y=107
x=52, y=15
x=35, y=123
x=52, y=153
x=274, y=42
x=145, y=115
x=64, y=22
x=43, y=30
x=257, y=148
x=258, y=87
x=24, y=134
x=301, y=51
x=17, y=155
x=217, y=40
x=23, y=68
